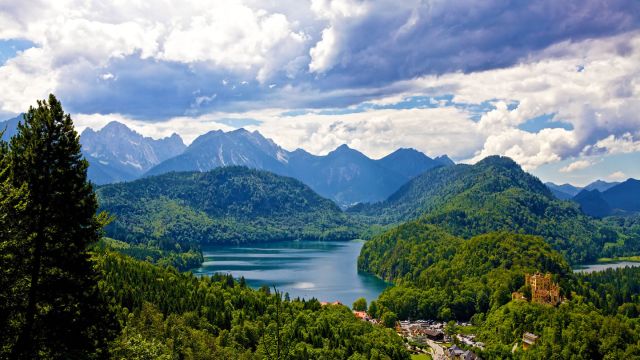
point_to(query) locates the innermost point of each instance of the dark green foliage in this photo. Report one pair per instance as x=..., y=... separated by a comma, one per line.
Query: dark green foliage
x=225, y=205
x=360, y=304
x=450, y=278
x=182, y=261
x=494, y=194
x=573, y=330
x=592, y=203
x=178, y=315
x=627, y=229
x=49, y=209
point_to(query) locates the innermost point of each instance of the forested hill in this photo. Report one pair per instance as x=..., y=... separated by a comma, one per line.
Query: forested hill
x=165, y=314
x=494, y=194
x=225, y=205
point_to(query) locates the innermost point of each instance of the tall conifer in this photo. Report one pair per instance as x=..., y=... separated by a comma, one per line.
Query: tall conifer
x=62, y=315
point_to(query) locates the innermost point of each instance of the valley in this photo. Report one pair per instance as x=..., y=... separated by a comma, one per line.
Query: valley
x=217, y=251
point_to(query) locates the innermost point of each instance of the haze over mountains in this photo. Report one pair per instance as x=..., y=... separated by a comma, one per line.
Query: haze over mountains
x=568, y=191
x=344, y=175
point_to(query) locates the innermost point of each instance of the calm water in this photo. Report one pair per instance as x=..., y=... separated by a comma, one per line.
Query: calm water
x=324, y=270
x=600, y=267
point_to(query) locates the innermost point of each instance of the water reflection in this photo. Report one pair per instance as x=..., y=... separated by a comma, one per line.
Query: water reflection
x=324, y=270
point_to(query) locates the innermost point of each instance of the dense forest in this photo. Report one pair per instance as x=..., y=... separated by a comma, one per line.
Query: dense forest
x=180, y=212
x=173, y=315
x=497, y=195
x=441, y=276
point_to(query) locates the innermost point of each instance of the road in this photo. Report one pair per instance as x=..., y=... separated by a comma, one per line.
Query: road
x=437, y=351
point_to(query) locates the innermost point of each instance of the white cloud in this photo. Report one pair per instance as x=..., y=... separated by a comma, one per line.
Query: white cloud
x=617, y=176
x=375, y=132
x=617, y=145
x=576, y=165
x=324, y=53
x=601, y=100
x=27, y=77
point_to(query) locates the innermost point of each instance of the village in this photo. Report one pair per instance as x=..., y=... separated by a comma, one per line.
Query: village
x=431, y=337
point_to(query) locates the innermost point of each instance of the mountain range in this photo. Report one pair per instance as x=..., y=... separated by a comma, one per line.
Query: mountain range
x=620, y=199
x=116, y=153
x=568, y=191
x=344, y=175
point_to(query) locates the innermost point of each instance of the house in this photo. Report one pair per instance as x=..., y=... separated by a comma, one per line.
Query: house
x=435, y=335
x=457, y=353
x=528, y=340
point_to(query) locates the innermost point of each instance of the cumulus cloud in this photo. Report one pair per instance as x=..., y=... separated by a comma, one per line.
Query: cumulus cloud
x=499, y=64
x=576, y=165
x=625, y=143
x=617, y=176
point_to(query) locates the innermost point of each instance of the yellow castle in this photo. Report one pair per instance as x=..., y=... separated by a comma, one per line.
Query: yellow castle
x=543, y=290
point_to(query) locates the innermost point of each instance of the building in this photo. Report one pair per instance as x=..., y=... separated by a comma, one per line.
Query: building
x=435, y=335
x=543, y=289
x=362, y=315
x=528, y=340
x=457, y=353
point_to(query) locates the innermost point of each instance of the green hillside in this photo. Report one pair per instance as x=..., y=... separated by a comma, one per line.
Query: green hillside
x=165, y=314
x=493, y=195
x=224, y=206
x=445, y=277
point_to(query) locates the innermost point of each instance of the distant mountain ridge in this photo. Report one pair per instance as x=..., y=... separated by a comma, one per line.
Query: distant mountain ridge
x=9, y=127
x=117, y=153
x=621, y=199
x=344, y=175
x=568, y=191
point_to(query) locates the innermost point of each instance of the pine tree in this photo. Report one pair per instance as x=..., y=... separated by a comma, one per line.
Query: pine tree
x=12, y=254
x=63, y=315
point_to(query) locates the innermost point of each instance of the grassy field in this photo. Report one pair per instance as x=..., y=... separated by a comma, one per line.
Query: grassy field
x=617, y=259
x=421, y=357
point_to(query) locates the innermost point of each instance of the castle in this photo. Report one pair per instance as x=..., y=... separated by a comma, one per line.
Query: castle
x=543, y=290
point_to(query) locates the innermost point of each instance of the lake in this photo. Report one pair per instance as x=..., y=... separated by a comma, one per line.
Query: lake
x=604, y=266
x=306, y=269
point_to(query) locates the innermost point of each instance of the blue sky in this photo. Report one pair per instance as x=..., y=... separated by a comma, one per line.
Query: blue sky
x=552, y=84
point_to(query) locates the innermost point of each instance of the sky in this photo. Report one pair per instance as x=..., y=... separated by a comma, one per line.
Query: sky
x=555, y=85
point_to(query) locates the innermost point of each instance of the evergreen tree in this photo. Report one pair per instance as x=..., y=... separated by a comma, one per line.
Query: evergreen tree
x=12, y=254
x=62, y=315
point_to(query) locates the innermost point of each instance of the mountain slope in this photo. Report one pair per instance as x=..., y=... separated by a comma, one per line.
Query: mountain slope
x=593, y=203
x=217, y=148
x=600, y=185
x=117, y=153
x=564, y=191
x=624, y=196
x=225, y=205
x=410, y=162
x=344, y=175
x=492, y=195
x=9, y=127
